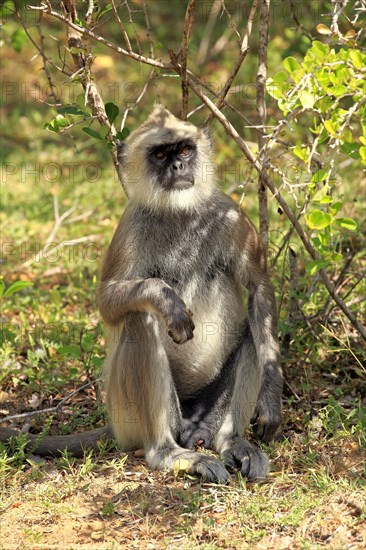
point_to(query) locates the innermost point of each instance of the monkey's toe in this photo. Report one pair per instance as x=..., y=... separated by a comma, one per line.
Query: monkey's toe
x=265, y=430
x=252, y=462
x=210, y=468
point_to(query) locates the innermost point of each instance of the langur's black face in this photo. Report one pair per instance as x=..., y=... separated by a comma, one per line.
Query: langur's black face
x=174, y=164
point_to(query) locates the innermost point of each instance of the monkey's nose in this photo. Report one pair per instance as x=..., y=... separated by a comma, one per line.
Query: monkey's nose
x=177, y=165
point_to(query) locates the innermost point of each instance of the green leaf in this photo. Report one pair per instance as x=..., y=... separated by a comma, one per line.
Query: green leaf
x=314, y=266
x=2, y=288
x=328, y=124
x=291, y=64
x=70, y=110
x=17, y=286
x=61, y=121
x=122, y=135
x=319, y=176
x=70, y=351
x=336, y=206
x=18, y=39
x=319, y=50
x=80, y=102
x=356, y=58
x=339, y=90
x=7, y=8
x=112, y=111
x=318, y=219
x=307, y=99
x=97, y=361
x=56, y=124
x=352, y=150
x=273, y=88
x=325, y=103
x=322, y=195
x=79, y=22
x=92, y=133
x=346, y=223
x=50, y=127
x=362, y=151
x=302, y=152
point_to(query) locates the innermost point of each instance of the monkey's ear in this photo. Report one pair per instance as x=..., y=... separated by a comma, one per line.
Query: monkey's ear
x=121, y=150
x=207, y=131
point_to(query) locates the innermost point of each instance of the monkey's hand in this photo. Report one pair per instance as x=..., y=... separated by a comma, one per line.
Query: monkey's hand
x=179, y=322
x=267, y=418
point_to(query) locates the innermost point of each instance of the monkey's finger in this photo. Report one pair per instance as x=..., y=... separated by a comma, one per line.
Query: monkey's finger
x=176, y=339
x=269, y=432
x=190, y=315
x=189, y=333
x=265, y=431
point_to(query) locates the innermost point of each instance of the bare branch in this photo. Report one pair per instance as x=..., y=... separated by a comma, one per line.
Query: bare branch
x=130, y=20
x=244, y=48
x=143, y=91
x=41, y=50
x=50, y=410
x=188, y=23
x=148, y=30
x=338, y=7
x=293, y=305
x=285, y=207
x=203, y=49
x=261, y=107
x=196, y=86
x=121, y=26
x=101, y=40
x=59, y=221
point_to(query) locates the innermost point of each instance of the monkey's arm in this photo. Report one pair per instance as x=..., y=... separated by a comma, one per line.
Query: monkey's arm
x=263, y=323
x=119, y=297
x=262, y=315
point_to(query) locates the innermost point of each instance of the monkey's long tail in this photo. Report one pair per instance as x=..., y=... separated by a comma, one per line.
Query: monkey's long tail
x=50, y=445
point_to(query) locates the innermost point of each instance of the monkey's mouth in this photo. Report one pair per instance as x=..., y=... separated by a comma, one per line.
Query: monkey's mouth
x=181, y=184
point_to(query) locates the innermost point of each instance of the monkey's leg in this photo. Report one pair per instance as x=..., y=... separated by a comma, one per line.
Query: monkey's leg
x=143, y=405
x=229, y=442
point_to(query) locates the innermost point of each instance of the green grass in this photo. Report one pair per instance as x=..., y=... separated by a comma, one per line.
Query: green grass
x=52, y=342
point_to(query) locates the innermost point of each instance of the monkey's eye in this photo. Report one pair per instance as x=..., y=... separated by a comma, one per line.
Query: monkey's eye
x=160, y=155
x=186, y=151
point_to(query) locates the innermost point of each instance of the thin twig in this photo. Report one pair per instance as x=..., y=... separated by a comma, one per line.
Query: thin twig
x=293, y=305
x=244, y=48
x=285, y=207
x=143, y=91
x=196, y=85
x=148, y=30
x=205, y=42
x=121, y=26
x=59, y=221
x=40, y=49
x=130, y=20
x=101, y=40
x=338, y=8
x=188, y=23
x=49, y=410
x=262, y=112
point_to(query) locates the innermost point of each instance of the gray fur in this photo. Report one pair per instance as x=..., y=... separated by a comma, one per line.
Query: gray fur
x=173, y=378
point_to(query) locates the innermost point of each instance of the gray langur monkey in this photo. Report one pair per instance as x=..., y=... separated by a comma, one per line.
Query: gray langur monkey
x=184, y=365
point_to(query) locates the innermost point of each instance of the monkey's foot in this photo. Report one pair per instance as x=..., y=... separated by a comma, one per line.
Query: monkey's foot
x=179, y=459
x=252, y=462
